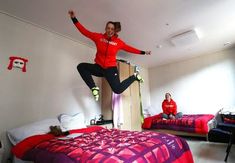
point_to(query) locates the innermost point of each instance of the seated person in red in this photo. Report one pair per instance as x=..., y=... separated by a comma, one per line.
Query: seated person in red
x=169, y=108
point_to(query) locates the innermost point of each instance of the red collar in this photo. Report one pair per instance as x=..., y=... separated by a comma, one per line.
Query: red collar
x=169, y=101
x=112, y=38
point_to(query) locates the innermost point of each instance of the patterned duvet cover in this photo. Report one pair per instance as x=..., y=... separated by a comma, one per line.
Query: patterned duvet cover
x=197, y=123
x=113, y=146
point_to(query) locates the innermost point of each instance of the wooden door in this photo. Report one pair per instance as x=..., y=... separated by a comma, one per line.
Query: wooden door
x=135, y=104
x=130, y=100
x=124, y=72
x=106, y=100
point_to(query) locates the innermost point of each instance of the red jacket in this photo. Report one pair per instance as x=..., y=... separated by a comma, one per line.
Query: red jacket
x=169, y=107
x=107, y=48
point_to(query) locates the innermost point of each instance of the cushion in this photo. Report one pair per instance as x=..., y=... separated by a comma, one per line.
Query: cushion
x=148, y=121
x=71, y=122
x=22, y=147
x=229, y=117
x=41, y=127
x=229, y=120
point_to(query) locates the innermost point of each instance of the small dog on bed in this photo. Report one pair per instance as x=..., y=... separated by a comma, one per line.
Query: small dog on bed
x=56, y=131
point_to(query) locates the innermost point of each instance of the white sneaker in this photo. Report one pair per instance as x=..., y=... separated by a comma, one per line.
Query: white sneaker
x=95, y=93
x=138, y=77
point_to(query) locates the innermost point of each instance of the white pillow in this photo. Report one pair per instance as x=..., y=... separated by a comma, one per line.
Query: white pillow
x=151, y=110
x=70, y=122
x=41, y=127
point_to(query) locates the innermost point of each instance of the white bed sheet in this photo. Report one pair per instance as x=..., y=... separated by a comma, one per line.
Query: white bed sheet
x=17, y=160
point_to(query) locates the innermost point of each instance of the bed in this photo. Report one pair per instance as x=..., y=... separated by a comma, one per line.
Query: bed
x=97, y=144
x=189, y=125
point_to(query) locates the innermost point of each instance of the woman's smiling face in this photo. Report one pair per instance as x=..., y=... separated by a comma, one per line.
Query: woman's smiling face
x=110, y=29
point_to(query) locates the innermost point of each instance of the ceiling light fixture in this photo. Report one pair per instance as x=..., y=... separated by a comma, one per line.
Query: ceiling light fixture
x=185, y=38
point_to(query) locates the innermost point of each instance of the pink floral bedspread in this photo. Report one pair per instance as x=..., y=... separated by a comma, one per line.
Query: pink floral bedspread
x=109, y=146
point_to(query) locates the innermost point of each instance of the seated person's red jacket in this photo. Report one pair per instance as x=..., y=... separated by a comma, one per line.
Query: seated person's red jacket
x=169, y=107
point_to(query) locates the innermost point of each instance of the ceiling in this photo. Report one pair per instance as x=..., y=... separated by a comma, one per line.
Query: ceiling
x=146, y=24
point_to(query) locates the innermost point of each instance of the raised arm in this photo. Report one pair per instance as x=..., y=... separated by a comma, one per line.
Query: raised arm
x=80, y=27
x=131, y=49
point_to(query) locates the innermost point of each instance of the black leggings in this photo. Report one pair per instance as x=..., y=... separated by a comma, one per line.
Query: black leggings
x=111, y=74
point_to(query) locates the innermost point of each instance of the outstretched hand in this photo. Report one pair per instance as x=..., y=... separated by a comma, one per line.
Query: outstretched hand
x=71, y=13
x=147, y=52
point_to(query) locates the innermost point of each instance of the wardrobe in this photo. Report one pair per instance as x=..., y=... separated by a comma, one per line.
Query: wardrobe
x=130, y=109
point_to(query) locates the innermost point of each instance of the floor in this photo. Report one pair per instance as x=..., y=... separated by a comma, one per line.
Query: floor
x=209, y=152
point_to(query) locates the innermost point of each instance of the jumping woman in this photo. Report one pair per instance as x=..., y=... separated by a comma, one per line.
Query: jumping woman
x=107, y=44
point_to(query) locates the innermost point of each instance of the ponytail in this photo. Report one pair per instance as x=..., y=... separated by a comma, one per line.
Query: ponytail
x=117, y=26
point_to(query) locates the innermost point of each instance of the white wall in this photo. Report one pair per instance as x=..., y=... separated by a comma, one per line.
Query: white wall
x=51, y=84
x=200, y=85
